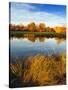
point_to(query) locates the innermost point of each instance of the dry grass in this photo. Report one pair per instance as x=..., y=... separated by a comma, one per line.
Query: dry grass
x=41, y=70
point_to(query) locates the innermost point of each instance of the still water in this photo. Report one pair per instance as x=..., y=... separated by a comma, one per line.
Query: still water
x=21, y=47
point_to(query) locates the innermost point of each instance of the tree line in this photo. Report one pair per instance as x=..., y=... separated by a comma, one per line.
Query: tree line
x=38, y=28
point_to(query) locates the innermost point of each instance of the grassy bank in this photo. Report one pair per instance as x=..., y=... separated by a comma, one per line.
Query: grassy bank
x=36, y=34
x=38, y=70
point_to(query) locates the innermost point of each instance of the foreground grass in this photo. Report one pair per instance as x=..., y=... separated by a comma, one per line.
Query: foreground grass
x=42, y=34
x=38, y=70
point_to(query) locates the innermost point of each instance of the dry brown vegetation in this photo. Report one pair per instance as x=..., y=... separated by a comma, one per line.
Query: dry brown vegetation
x=41, y=70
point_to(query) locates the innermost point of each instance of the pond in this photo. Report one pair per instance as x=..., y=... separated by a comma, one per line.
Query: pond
x=27, y=46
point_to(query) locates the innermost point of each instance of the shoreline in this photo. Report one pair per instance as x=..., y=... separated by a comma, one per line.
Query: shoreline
x=36, y=34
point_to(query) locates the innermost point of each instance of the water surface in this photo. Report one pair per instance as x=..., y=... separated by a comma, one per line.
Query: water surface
x=22, y=47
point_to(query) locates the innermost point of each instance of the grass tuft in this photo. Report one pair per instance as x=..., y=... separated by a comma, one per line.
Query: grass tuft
x=41, y=70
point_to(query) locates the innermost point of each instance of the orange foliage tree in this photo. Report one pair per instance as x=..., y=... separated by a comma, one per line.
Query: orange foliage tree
x=31, y=26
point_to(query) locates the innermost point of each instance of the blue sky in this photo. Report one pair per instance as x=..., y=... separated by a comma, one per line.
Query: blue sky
x=24, y=13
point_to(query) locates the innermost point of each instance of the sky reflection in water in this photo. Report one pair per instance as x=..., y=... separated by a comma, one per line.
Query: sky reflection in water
x=21, y=47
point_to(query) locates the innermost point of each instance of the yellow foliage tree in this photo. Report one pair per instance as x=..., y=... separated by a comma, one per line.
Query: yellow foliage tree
x=42, y=27
x=60, y=29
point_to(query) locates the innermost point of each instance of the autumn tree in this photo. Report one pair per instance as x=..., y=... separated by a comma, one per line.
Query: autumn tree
x=52, y=30
x=47, y=29
x=59, y=29
x=21, y=27
x=42, y=27
x=11, y=26
x=31, y=26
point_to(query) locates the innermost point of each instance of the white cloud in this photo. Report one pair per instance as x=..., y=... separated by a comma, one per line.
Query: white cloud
x=25, y=15
x=24, y=6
